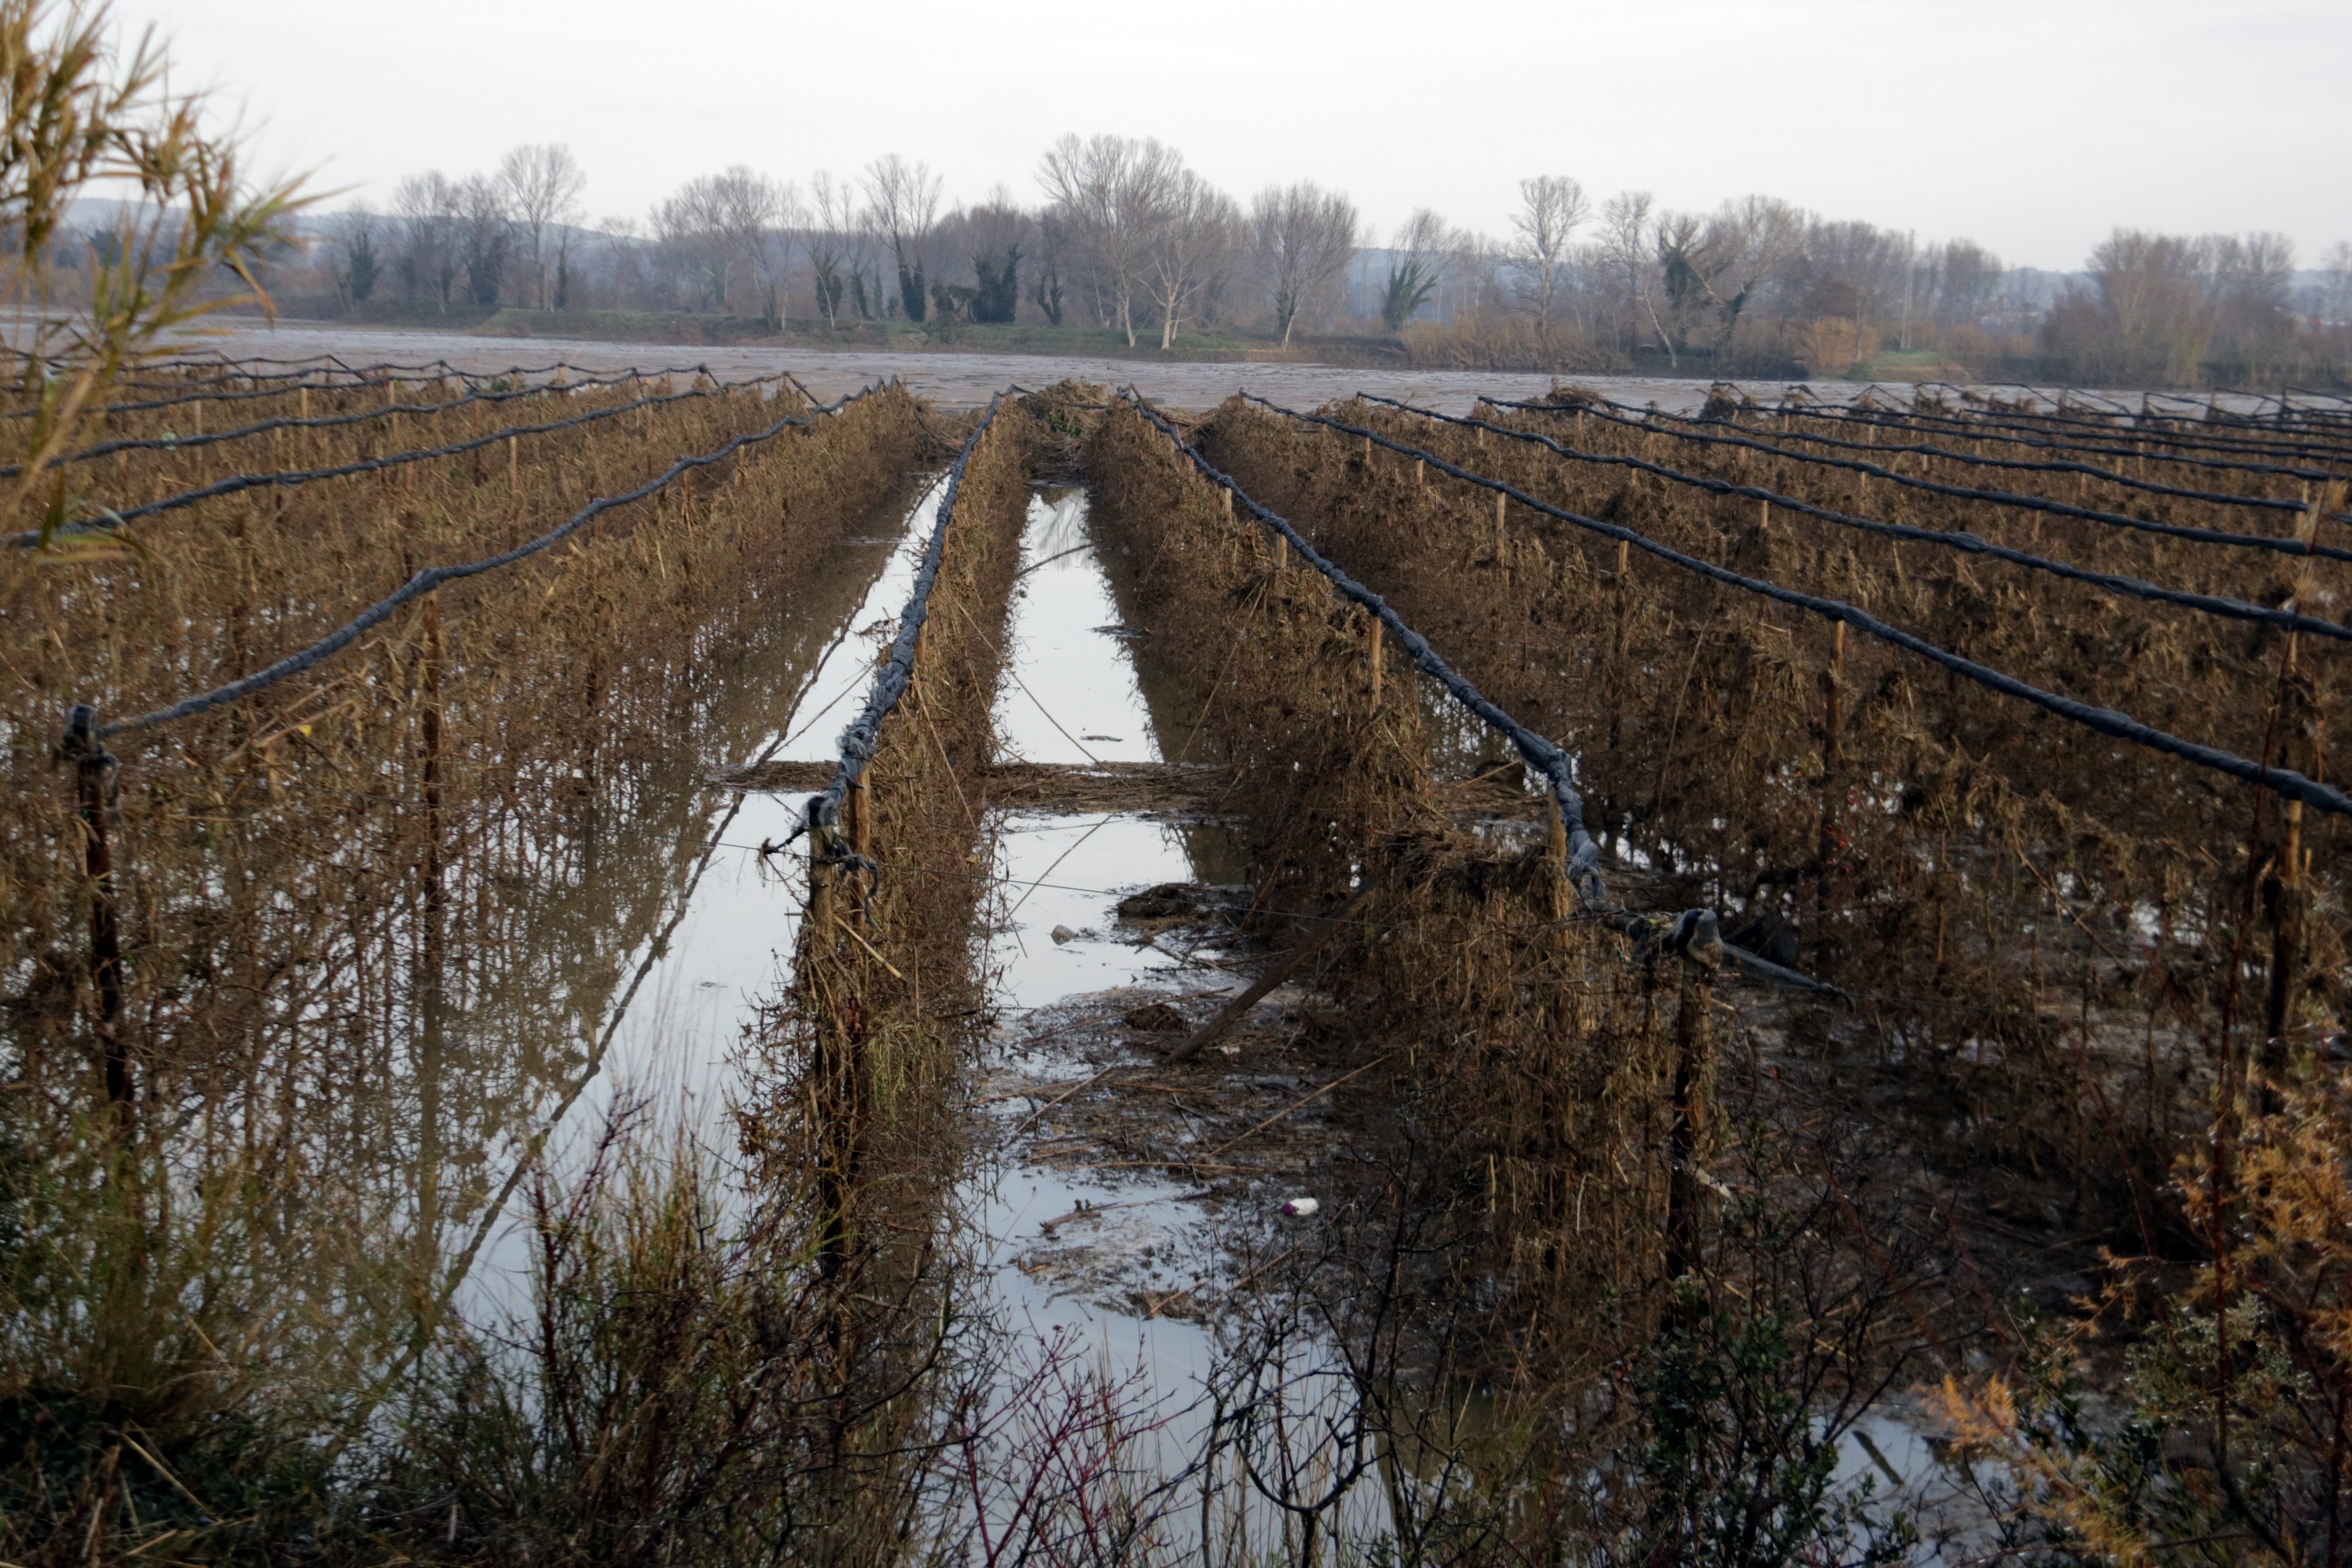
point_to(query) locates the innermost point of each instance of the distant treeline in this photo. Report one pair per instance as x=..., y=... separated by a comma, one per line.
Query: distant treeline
x=1127, y=237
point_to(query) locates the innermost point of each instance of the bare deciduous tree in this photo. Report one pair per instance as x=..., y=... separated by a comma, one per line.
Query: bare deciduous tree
x=486, y=227
x=1052, y=242
x=830, y=240
x=543, y=182
x=426, y=209
x=720, y=223
x=1111, y=195
x=1305, y=237
x=1967, y=279
x=1197, y=235
x=1625, y=236
x=903, y=201
x=1551, y=207
x=1750, y=240
x=2335, y=284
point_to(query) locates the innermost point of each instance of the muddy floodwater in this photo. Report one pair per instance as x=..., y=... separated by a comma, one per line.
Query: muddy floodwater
x=969, y=380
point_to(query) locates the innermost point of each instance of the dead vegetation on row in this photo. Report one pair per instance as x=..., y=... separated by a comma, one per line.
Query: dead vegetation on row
x=377, y=929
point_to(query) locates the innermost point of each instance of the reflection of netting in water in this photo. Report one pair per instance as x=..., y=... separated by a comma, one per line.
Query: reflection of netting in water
x=368, y=927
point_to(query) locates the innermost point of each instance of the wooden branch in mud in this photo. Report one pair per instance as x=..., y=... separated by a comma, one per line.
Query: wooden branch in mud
x=1036, y=786
x=1233, y=1012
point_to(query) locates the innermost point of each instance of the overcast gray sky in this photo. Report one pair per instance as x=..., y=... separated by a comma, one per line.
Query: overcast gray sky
x=2031, y=126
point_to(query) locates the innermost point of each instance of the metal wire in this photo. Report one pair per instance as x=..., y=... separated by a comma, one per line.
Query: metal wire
x=1969, y=492
x=2047, y=466
x=331, y=421
x=363, y=372
x=431, y=577
x=1583, y=868
x=2102, y=720
x=1973, y=544
x=110, y=520
x=1991, y=424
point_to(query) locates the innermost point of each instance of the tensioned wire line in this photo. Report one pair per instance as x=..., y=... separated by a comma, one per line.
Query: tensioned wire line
x=328, y=421
x=2101, y=720
x=108, y=520
x=2199, y=425
x=2061, y=430
x=2064, y=431
x=1962, y=492
x=2144, y=442
x=209, y=399
x=431, y=577
x=1969, y=543
x=1582, y=868
x=367, y=378
x=2030, y=465
x=2207, y=425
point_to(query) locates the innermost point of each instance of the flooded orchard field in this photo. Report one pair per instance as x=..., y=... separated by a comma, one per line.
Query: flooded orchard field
x=1473, y=975
x=967, y=379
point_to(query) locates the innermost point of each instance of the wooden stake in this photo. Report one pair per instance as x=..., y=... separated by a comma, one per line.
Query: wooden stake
x=1687, y=1131
x=1208, y=1033
x=514, y=466
x=1378, y=628
x=1556, y=855
x=430, y=723
x=92, y=765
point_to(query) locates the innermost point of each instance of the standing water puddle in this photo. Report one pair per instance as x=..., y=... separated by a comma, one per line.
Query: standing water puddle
x=1086, y=1239
x=662, y=1037
x=733, y=939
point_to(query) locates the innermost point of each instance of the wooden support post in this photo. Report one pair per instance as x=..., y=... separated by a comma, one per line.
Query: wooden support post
x=1692, y=1095
x=824, y=842
x=1832, y=722
x=2283, y=890
x=92, y=767
x=1228, y=493
x=832, y=1058
x=1211, y=1032
x=514, y=466
x=431, y=723
x=1281, y=553
x=1563, y=897
x=861, y=834
x=1624, y=557
x=2286, y=899
x=1378, y=628
x=1502, y=535
x=1764, y=520
x=1418, y=478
